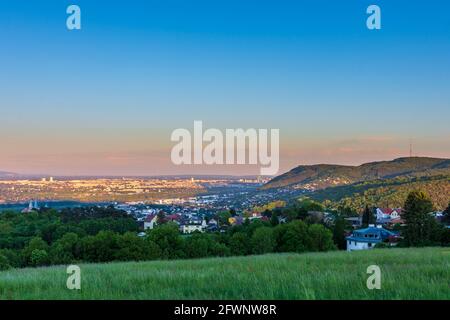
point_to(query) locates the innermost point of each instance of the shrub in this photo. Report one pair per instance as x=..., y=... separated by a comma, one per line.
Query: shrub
x=292, y=237
x=239, y=244
x=201, y=245
x=263, y=240
x=381, y=245
x=131, y=247
x=168, y=239
x=4, y=263
x=321, y=238
x=39, y=257
x=13, y=257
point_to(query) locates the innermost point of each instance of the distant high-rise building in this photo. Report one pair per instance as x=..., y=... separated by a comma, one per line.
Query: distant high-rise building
x=50, y=179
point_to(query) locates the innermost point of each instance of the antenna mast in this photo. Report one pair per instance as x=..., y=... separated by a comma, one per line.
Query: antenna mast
x=410, y=148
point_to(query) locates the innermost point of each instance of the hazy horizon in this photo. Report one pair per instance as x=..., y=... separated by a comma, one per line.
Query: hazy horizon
x=186, y=175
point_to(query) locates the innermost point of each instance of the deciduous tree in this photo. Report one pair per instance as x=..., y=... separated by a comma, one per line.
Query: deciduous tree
x=419, y=223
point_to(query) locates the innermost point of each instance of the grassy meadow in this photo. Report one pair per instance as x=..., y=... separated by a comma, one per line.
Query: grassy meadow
x=406, y=274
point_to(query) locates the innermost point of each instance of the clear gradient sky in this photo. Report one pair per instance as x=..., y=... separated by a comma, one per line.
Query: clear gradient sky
x=105, y=99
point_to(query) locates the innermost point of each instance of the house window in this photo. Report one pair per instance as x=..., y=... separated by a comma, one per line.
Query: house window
x=370, y=245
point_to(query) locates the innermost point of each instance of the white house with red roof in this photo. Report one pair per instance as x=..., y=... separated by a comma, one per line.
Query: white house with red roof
x=150, y=221
x=388, y=213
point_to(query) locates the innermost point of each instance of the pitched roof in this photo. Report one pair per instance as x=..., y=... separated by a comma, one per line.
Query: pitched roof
x=149, y=217
x=371, y=234
x=389, y=211
x=173, y=217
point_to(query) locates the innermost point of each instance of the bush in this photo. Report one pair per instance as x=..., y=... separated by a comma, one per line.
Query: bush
x=13, y=257
x=131, y=248
x=292, y=237
x=200, y=245
x=64, y=250
x=99, y=248
x=153, y=251
x=35, y=243
x=39, y=257
x=4, y=263
x=239, y=244
x=167, y=238
x=381, y=245
x=263, y=240
x=321, y=238
x=445, y=237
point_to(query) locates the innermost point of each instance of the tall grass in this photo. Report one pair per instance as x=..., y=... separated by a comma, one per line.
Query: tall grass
x=406, y=274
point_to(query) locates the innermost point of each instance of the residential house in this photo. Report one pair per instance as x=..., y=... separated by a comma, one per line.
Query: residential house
x=236, y=220
x=363, y=239
x=193, y=224
x=150, y=221
x=282, y=219
x=388, y=213
x=173, y=218
x=316, y=216
x=212, y=226
x=356, y=222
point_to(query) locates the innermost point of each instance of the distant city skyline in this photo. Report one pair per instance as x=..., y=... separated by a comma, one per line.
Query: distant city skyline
x=104, y=100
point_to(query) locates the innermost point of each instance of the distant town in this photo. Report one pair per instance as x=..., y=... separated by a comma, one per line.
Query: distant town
x=115, y=189
x=191, y=193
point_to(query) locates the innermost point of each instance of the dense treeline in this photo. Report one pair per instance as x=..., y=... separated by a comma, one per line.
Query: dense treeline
x=16, y=230
x=45, y=237
x=106, y=234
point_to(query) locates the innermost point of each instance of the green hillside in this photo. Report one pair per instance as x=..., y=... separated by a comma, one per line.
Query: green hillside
x=389, y=193
x=323, y=175
x=406, y=274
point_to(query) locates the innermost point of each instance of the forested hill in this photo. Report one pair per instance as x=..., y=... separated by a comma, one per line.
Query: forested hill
x=325, y=175
x=389, y=193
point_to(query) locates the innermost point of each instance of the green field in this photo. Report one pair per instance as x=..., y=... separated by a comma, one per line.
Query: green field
x=406, y=274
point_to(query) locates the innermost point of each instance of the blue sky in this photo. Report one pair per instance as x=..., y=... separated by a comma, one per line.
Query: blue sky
x=337, y=91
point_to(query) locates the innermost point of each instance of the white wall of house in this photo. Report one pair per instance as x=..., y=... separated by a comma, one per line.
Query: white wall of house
x=189, y=228
x=395, y=214
x=150, y=225
x=380, y=214
x=353, y=245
